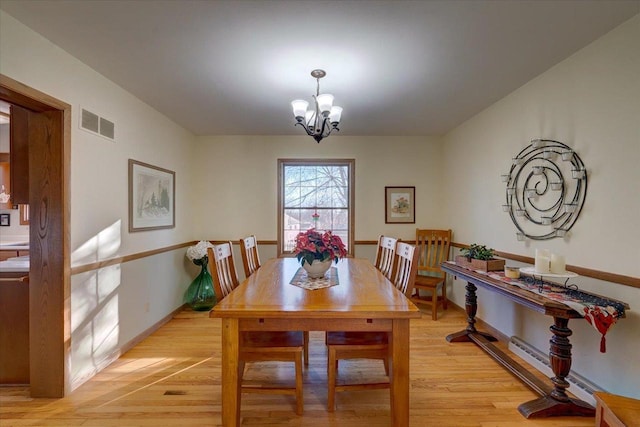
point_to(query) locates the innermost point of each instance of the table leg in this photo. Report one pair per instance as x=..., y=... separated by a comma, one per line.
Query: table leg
x=471, y=307
x=558, y=402
x=230, y=374
x=399, y=373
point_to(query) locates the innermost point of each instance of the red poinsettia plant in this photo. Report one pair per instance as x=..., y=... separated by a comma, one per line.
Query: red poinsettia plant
x=313, y=244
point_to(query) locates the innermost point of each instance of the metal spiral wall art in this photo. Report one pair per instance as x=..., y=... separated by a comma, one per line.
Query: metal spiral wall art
x=546, y=190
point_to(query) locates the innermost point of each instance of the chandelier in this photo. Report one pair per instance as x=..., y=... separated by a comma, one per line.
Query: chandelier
x=318, y=122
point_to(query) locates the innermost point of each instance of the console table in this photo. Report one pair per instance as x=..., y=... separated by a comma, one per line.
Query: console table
x=554, y=400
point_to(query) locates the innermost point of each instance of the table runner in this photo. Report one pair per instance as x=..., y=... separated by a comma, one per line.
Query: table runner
x=302, y=280
x=601, y=313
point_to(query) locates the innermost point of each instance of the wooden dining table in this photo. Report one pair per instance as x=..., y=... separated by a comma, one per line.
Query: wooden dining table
x=363, y=300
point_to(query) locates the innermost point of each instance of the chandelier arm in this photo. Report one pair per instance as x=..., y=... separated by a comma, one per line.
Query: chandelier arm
x=316, y=122
x=326, y=128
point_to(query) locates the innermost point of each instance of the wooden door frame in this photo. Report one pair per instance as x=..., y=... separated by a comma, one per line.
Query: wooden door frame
x=50, y=318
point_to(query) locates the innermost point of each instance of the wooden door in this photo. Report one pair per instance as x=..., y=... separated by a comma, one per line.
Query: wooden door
x=46, y=296
x=48, y=121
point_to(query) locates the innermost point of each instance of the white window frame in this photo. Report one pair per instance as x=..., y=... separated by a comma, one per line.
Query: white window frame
x=282, y=163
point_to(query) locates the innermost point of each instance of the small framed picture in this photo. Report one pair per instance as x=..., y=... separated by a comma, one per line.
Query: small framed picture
x=5, y=220
x=400, y=205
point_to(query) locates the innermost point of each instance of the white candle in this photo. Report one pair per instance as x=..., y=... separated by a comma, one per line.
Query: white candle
x=557, y=264
x=542, y=261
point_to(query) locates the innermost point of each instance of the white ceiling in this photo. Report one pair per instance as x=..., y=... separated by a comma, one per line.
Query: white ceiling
x=397, y=67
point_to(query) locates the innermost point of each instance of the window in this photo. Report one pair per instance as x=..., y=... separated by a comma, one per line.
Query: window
x=315, y=193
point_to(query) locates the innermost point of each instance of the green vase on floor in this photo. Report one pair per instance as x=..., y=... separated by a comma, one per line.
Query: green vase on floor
x=200, y=295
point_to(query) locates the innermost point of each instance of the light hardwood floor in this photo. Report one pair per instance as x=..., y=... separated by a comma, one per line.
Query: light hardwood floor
x=173, y=379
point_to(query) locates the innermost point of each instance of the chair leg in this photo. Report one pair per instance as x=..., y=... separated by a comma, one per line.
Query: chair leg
x=386, y=365
x=305, y=335
x=240, y=369
x=299, y=392
x=332, y=365
x=434, y=304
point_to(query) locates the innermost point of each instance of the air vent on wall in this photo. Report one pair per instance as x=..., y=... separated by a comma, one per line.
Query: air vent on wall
x=95, y=124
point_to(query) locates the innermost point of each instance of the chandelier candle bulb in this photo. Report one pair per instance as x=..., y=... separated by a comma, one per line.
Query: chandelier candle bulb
x=542, y=261
x=557, y=264
x=325, y=102
x=299, y=107
x=335, y=115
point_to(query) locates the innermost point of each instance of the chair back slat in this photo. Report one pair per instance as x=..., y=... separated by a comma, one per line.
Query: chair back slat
x=250, y=257
x=405, y=268
x=433, y=248
x=385, y=255
x=223, y=270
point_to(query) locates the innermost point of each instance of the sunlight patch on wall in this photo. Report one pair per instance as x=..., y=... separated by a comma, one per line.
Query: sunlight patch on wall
x=95, y=321
x=102, y=246
x=95, y=324
x=93, y=292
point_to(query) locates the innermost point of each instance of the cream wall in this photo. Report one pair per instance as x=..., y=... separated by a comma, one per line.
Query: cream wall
x=236, y=181
x=112, y=305
x=591, y=102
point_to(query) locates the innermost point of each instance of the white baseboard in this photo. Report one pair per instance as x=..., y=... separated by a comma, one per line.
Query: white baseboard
x=580, y=386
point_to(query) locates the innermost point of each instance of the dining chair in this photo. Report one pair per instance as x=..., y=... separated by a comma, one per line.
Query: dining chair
x=281, y=346
x=433, y=248
x=384, y=255
x=369, y=345
x=250, y=257
x=251, y=262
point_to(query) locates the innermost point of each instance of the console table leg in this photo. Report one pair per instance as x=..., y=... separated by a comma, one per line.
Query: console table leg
x=471, y=307
x=560, y=357
x=558, y=402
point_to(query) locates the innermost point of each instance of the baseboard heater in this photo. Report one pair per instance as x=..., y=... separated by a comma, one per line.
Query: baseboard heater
x=580, y=386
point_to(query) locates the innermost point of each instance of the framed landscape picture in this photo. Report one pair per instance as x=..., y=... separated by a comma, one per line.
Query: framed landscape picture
x=151, y=197
x=400, y=205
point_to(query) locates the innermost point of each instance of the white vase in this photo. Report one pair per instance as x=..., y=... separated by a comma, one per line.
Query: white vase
x=317, y=268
